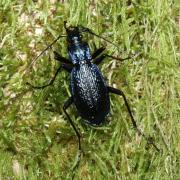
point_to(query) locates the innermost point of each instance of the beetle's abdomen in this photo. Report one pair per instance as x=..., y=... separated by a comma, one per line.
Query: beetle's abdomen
x=90, y=93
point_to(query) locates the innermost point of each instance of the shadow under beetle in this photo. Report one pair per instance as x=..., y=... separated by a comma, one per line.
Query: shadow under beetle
x=89, y=91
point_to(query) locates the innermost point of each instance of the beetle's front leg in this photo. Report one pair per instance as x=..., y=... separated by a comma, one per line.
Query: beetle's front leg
x=97, y=52
x=61, y=59
x=119, y=92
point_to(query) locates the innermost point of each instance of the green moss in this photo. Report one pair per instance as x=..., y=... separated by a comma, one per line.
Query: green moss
x=36, y=140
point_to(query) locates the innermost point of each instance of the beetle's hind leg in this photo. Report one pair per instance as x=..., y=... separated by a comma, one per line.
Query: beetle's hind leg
x=119, y=92
x=65, y=107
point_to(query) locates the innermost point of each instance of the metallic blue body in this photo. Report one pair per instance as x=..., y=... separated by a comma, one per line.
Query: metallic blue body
x=88, y=87
x=79, y=52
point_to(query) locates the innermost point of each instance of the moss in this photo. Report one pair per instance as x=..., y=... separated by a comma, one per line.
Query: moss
x=36, y=140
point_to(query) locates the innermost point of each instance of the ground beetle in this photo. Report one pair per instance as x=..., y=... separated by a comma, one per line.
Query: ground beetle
x=89, y=91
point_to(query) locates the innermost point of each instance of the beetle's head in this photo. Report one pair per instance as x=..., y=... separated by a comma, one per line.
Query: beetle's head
x=73, y=34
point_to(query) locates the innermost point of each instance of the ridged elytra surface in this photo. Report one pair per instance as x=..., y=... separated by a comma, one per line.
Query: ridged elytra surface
x=90, y=93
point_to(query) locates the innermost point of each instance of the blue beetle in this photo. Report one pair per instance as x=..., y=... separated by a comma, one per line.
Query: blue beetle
x=89, y=91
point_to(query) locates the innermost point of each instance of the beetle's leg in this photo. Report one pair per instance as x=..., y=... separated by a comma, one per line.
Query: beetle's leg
x=119, y=92
x=66, y=105
x=98, y=52
x=60, y=58
x=67, y=67
x=99, y=59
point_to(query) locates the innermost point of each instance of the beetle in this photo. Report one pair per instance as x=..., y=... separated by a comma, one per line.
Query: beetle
x=89, y=91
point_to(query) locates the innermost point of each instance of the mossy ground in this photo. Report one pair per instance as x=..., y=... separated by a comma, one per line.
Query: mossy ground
x=36, y=141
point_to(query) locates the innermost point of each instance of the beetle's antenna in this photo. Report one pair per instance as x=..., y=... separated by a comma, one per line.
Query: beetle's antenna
x=42, y=52
x=84, y=29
